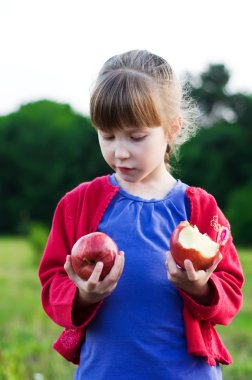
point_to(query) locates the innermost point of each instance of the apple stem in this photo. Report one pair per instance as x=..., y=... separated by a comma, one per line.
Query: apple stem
x=89, y=261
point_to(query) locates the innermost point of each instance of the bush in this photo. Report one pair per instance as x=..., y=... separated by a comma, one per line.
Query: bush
x=37, y=238
x=239, y=213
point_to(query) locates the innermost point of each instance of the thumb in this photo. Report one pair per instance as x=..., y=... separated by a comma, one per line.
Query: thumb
x=68, y=267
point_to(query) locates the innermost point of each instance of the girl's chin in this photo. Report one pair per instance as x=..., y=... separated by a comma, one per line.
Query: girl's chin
x=122, y=176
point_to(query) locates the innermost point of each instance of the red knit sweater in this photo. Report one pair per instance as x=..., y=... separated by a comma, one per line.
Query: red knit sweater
x=79, y=212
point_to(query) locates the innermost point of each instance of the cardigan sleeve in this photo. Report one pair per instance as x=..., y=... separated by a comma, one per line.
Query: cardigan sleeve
x=227, y=280
x=58, y=291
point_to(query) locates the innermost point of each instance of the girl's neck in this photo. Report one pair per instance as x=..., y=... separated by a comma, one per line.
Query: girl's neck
x=157, y=188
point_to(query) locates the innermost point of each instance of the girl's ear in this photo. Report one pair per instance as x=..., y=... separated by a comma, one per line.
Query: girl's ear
x=174, y=129
x=176, y=126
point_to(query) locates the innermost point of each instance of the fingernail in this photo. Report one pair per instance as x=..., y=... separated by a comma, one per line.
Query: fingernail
x=99, y=265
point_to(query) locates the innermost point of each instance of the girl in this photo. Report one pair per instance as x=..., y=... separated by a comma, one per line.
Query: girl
x=147, y=319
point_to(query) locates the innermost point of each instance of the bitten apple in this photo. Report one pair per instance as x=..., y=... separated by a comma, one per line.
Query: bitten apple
x=91, y=248
x=188, y=243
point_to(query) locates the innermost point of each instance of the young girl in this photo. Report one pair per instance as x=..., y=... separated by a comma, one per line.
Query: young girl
x=148, y=319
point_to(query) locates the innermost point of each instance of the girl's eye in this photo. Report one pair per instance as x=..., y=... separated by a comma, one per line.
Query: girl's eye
x=108, y=137
x=138, y=138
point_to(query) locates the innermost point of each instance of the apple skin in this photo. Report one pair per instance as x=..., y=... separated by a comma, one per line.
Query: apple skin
x=91, y=248
x=180, y=253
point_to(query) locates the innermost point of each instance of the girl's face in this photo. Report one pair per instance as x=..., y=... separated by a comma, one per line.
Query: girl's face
x=135, y=154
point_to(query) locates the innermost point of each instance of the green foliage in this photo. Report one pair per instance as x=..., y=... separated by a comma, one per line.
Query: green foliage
x=216, y=160
x=27, y=334
x=45, y=150
x=219, y=158
x=37, y=237
x=209, y=88
x=239, y=213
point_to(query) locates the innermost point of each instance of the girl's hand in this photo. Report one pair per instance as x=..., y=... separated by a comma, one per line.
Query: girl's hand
x=93, y=290
x=195, y=283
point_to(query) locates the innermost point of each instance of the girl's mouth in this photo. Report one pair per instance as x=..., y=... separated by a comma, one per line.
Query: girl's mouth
x=124, y=169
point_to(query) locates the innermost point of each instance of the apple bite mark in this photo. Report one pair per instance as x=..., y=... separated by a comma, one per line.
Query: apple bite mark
x=187, y=242
x=91, y=249
x=191, y=238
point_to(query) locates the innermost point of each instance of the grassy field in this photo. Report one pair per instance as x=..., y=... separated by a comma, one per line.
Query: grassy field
x=26, y=333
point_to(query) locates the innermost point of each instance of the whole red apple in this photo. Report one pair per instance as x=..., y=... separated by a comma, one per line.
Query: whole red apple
x=91, y=248
x=188, y=243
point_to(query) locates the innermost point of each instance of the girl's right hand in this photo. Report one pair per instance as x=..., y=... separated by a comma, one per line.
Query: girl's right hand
x=93, y=290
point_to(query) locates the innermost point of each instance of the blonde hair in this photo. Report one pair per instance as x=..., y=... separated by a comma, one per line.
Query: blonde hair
x=138, y=88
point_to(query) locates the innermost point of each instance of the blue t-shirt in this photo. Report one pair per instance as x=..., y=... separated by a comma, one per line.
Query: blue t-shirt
x=138, y=333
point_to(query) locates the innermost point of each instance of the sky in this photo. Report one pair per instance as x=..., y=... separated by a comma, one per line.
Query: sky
x=53, y=49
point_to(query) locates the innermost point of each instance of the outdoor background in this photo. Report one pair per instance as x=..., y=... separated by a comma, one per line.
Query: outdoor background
x=50, y=54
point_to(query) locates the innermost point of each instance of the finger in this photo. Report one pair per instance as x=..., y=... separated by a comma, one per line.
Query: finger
x=215, y=264
x=118, y=266
x=191, y=272
x=218, y=260
x=68, y=267
x=95, y=276
x=67, y=262
x=116, y=270
x=170, y=264
x=71, y=272
x=121, y=263
x=167, y=259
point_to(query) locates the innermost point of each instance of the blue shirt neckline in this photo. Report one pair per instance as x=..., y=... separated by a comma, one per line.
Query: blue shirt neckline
x=123, y=192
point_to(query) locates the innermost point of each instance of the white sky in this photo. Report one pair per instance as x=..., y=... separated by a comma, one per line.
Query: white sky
x=54, y=48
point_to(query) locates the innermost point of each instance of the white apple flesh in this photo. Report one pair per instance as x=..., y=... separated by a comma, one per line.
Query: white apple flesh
x=187, y=242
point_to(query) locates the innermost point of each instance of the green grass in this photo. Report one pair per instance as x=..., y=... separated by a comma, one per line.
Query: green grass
x=27, y=334
x=238, y=335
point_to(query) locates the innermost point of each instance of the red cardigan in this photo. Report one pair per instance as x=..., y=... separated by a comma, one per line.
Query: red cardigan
x=79, y=212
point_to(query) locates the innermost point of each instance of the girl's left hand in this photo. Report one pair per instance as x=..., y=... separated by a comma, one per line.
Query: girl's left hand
x=195, y=283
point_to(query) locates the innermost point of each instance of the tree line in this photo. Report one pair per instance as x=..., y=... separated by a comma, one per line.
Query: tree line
x=46, y=149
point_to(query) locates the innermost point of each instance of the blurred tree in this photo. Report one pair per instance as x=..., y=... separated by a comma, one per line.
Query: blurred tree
x=219, y=158
x=239, y=213
x=214, y=160
x=209, y=90
x=45, y=150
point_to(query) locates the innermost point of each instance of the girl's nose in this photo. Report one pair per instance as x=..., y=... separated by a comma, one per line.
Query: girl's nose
x=121, y=152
